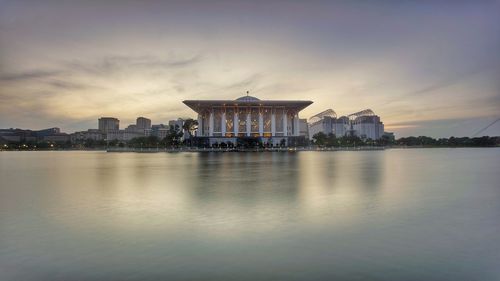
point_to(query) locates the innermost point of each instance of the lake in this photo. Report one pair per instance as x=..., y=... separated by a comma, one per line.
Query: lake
x=398, y=214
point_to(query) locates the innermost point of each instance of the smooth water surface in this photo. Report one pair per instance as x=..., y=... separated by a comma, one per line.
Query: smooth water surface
x=414, y=214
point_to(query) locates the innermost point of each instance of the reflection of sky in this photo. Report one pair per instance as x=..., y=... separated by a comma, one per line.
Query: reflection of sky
x=425, y=67
x=221, y=195
x=409, y=214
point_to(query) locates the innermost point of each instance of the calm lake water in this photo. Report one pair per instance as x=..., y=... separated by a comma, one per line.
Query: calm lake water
x=414, y=214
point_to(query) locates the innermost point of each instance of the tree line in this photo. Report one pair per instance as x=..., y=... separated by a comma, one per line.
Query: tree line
x=330, y=140
x=174, y=138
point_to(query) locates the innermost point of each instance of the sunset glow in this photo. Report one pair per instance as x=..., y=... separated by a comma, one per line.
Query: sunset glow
x=427, y=68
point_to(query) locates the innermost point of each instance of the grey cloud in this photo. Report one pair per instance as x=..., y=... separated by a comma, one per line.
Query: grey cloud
x=32, y=74
x=444, y=127
x=235, y=89
x=112, y=64
x=446, y=82
x=67, y=85
x=250, y=81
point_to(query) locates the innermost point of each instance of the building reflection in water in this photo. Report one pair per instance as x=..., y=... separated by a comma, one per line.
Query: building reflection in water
x=339, y=184
x=226, y=193
x=233, y=190
x=103, y=216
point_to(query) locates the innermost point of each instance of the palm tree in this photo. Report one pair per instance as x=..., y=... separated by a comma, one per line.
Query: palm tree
x=190, y=125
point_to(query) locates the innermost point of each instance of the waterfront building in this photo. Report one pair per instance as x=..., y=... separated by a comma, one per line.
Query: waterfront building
x=124, y=135
x=176, y=124
x=131, y=135
x=142, y=128
x=131, y=128
x=328, y=123
x=160, y=131
x=364, y=124
x=11, y=138
x=18, y=135
x=389, y=136
x=143, y=123
x=108, y=124
x=303, y=128
x=112, y=135
x=90, y=134
x=271, y=122
x=59, y=137
x=47, y=132
x=179, y=125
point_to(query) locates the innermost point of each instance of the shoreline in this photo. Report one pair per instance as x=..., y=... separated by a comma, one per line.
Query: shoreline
x=279, y=149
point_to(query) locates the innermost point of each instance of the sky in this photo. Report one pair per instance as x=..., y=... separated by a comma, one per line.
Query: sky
x=425, y=67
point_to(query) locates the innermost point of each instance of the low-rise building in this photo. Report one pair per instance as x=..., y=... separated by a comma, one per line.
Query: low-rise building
x=92, y=134
x=61, y=137
x=160, y=131
x=248, y=119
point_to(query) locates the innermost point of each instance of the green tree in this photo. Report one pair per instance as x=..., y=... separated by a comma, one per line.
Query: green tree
x=190, y=125
x=173, y=137
x=331, y=140
x=320, y=139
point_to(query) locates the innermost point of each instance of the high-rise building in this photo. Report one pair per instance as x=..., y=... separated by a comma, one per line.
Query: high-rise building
x=328, y=123
x=364, y=124
x=143, y=123
x=107, y=124
x=368, y=127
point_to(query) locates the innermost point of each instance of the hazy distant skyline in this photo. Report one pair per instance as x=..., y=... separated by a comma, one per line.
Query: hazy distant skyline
x=426, y=67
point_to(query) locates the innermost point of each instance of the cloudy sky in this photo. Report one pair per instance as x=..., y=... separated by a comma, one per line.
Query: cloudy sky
x=426, y=67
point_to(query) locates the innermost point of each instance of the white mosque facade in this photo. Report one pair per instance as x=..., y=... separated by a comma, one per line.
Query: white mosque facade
x=273, y=122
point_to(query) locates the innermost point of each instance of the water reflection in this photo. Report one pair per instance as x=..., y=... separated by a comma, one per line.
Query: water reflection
x=242, y=191
x=225, y=175
x=312, y=215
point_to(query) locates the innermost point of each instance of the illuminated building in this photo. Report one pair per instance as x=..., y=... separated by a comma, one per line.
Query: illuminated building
x=271, y=122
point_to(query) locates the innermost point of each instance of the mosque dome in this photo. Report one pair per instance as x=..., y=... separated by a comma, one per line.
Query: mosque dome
x=247, y=98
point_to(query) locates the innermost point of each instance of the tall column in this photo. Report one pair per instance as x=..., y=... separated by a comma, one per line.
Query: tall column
x=211, y=123
x=285, y=123
x=236, y=123
x=223, y=124
x=273, y=124
x=261, y=124
x=249, y=123
x=296, y=127
x=199, y=131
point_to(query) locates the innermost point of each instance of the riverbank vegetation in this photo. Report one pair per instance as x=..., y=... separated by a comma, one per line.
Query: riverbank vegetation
x=323, y=140
x=174, y=139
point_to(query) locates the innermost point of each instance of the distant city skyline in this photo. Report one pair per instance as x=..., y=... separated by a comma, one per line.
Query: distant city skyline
x=426, y=68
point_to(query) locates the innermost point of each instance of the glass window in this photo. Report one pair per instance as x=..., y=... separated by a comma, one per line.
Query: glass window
x=205, y=122
x=229, y=120
x=242, y=116
x=266, y=114
x=217, y=120
x=279, y=120
x=254, y=119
